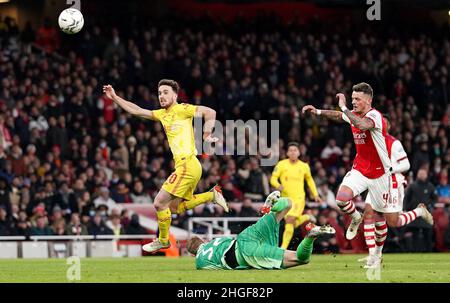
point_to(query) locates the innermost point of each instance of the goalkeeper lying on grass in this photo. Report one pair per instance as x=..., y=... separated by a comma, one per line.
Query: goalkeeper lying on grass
x=257, y=245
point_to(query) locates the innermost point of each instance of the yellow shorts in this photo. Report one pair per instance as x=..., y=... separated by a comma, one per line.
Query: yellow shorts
x=298, y=205
x=183, y=181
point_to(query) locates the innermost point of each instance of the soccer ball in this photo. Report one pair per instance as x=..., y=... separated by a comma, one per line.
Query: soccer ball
x=71, y=21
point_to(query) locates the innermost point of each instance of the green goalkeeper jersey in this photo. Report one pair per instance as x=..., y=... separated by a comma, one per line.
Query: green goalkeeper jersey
x=211, y=255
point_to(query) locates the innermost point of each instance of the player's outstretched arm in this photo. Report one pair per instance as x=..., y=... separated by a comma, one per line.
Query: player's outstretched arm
x=333, y=115
x=209, y=115
x=127, y=105
x=361, y=123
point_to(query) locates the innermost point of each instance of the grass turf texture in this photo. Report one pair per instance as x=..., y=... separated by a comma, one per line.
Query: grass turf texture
x=323, y=268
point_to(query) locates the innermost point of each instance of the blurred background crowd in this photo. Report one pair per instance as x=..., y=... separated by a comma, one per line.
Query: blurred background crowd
x=68, y=155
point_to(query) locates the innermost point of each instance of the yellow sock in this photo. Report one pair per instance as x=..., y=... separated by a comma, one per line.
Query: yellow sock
x=300, y=220
x=287, y=235
x=196, y=200
x=164, y=221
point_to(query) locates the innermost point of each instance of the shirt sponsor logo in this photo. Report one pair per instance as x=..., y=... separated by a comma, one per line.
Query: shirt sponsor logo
x=359, y=138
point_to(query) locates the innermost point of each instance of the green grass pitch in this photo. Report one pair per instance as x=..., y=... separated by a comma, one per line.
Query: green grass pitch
x=323, y=268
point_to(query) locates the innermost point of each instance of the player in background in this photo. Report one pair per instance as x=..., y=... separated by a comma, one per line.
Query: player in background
x=376, y=226
x=177, y=191
x=257, y=245
x=372, y=168
x=288, y=177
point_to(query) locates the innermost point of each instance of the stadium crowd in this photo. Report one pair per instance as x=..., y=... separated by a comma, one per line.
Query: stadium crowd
x=69, y=156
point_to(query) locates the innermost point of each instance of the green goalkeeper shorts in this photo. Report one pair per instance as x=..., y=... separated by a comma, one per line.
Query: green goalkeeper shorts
x=257, y=245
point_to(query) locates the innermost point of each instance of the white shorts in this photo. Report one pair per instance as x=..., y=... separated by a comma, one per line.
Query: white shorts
x=380, y=195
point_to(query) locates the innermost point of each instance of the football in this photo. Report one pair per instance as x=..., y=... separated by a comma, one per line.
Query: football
x=71, y=21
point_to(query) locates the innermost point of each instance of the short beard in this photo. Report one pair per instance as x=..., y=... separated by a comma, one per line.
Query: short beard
x=167, y=105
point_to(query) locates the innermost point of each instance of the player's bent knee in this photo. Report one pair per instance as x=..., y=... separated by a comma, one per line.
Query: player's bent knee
x=344, y=194
x=160, y=206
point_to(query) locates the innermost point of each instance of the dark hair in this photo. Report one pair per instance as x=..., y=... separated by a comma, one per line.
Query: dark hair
x=364, y=88
x=293, y=144
x=172, y=83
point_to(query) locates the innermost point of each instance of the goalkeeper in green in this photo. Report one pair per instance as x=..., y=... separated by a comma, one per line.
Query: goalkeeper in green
x=257, y=245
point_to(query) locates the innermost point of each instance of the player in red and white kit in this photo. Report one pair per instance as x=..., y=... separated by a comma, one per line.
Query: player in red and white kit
x=372, y=168
x=375, y=226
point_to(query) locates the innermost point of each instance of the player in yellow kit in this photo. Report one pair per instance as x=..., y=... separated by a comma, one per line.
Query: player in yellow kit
x=176, y=193
x=288, y=177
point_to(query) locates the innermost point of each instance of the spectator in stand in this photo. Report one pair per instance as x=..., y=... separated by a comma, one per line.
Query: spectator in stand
x=84, y=204
x=3, y=157
x=124, y=217
x=257, y=183
x=7, y=226
x=66, y=198
x=134, y=227
x=328, y=197
x=107, y=107
x=56, y=215
x=418, y=234
x=98, y=227
x=48, y=196
x=230, y=192
x=331, y=153
x=23, y=228
x=138, y=195
x=41, y=228
x=17, y=160
x=115, y=225
x=75, y=227
x=57, y=135
x=443, y=189
x=121, y=156
x=121, y=194
x=59, y=227
x=5, y=200
x=79, y=188
x=5, y=135
x=421, y=156
x=47, y=37
x=104, y=199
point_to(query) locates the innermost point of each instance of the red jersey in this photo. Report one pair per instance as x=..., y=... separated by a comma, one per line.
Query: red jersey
x=372, y=157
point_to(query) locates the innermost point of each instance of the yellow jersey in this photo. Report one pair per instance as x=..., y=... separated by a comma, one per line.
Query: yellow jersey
x=292, y=177
x=177, y=123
